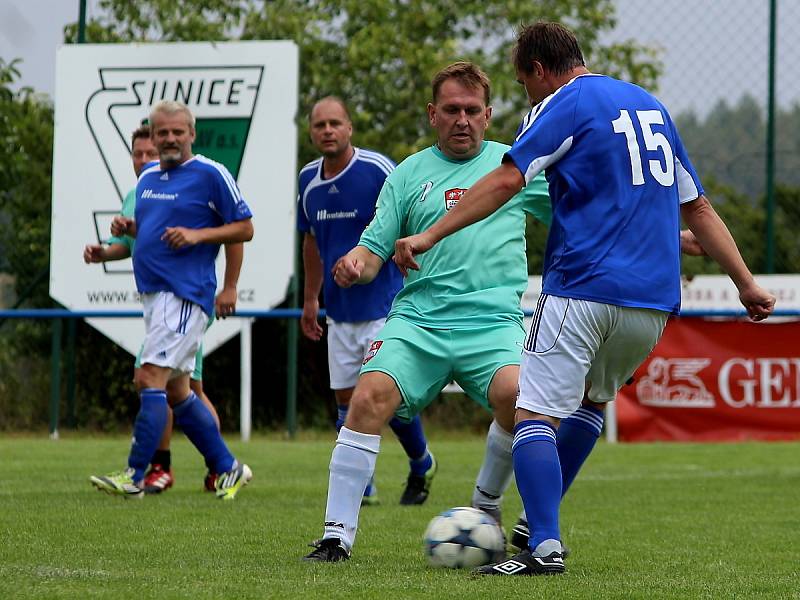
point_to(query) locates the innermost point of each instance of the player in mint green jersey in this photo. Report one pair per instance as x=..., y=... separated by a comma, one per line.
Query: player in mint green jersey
x=457, y=318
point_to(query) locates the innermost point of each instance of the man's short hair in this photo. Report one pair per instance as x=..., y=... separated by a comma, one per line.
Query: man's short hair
x=551, y=44
x=331, y=98
x=467, y=74
x=170, y=107
x=143, y=131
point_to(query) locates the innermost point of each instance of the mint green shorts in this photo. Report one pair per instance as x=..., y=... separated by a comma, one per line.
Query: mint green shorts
x=422, y=361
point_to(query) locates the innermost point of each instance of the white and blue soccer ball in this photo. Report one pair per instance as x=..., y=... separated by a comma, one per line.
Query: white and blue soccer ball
x=464, y=538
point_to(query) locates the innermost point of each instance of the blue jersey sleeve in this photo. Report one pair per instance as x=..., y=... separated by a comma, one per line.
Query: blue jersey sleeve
x=689, y=186
x=546, y=133
x=303, y=224
x=231, y=205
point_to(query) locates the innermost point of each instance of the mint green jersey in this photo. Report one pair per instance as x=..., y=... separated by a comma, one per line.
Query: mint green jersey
x=473, y=277
x=128, y=209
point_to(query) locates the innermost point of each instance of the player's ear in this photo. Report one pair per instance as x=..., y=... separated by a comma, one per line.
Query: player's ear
x=432, y=114
x=488, y=115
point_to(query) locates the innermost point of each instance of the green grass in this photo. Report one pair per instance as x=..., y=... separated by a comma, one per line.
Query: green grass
x=642, y=521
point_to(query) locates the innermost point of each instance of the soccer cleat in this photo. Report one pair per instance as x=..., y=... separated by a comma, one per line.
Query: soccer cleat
x=370, y=497
x=519, y=538
x=418, y=487
x=327, y=550
x=157, y=480
x=209, y=483
x=526, y=563
x=228, y=484
x=119, y=483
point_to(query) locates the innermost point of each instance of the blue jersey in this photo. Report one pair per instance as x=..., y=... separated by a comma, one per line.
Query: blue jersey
x=617, y=173
x=336, y=211
x=198, y=193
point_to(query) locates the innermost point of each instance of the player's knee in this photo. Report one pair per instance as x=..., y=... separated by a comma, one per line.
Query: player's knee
x=369, y=411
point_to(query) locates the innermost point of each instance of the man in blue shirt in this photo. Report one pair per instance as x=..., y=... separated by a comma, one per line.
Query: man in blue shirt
x=336, y=201
x=620, y=182
x=186, y=206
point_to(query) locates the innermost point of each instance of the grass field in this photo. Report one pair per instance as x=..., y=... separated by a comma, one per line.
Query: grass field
x=642, y=521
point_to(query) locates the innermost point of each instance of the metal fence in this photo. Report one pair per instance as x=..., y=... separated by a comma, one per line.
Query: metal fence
x=729, y=79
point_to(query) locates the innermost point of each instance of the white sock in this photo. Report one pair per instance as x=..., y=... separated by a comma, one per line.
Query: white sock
x=496, y=470
x=352, y=466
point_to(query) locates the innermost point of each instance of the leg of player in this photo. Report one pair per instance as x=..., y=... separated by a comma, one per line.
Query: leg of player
x=342, y=407
x=422, y=464
x=575, y=440
x=196, y=383
x=352, y=465
x=147, y=431
x=200, y=426
x=497, y=469
x=159, y=477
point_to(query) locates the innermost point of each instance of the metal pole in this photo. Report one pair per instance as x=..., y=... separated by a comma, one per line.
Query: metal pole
x=69, y=361
x=55, y=378
x=82, y=22
x=291, y=358
x=245, y=377
x=770, y=204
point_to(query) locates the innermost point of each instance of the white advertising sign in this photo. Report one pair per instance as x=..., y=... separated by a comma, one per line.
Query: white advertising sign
x=244, y=98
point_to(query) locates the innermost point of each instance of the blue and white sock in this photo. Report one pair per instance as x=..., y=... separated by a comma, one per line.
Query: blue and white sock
x=147, y=430
x=538, y=474
x=575, y=440
x=352, y=466
x=197, y=422
x=341, y=415
x=412, y=438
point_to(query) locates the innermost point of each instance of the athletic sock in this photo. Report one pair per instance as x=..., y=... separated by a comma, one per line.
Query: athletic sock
x=496, y=470
x=576, y=437
x=412, y=438
x=147, y=429
x=538, y=474
x=163, y=458
x=575, y=440
x=197, y=422
x=352, y=465
x=341, y=415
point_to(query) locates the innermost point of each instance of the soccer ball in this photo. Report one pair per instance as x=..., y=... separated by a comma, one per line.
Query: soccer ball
x=463, y=538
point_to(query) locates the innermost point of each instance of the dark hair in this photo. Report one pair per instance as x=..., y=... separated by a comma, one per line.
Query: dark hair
x=335, y=99
x=551, y=44
x=143, y=131
x=467, y=74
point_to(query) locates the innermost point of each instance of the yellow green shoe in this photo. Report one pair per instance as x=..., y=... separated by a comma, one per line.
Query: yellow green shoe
x=228, y=484
x=119, y=483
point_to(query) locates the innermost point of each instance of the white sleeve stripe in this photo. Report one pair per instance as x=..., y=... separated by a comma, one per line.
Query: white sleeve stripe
x=314, y=164
x=315, y=182
x=381, y=165
x=687, y=190
x=226, y=176
x=153, y=169
x=378, y=159
x=539, y=164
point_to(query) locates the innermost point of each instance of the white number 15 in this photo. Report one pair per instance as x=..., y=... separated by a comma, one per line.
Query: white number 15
x=652, y=141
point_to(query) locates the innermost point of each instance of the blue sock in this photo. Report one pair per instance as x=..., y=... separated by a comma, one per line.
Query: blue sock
x=538, y=474
x=576, y=437
x=341, y=415
x=197, y=422
x=147, y=429
x=412, y=438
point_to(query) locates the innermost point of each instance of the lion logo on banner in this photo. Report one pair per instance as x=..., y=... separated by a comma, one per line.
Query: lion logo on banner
x=673, y=382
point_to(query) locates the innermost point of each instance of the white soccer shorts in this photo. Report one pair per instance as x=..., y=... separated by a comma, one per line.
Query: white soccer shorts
x=173, y=331
x=348, y=343
x=573, y=343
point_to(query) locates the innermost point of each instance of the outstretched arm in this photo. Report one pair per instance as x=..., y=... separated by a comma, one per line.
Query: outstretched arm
x=97, y=253
x=714, y=237
x=312, y=266
x=481, y=200
x=360, y=265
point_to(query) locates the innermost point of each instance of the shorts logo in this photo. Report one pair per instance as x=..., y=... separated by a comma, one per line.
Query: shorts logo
x=451, y=197
x=373, y=350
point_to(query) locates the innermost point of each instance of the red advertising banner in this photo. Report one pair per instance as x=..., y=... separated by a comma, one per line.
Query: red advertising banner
x=716, y=381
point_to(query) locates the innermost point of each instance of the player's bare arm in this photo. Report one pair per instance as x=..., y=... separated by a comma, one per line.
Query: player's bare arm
x=487, y=195
x=713, y=235
x=225, y=302
x=689, y=244
x=312, y=265
x=360, y=265
x=123, y=226
x=98, y=253
x=230, y=233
